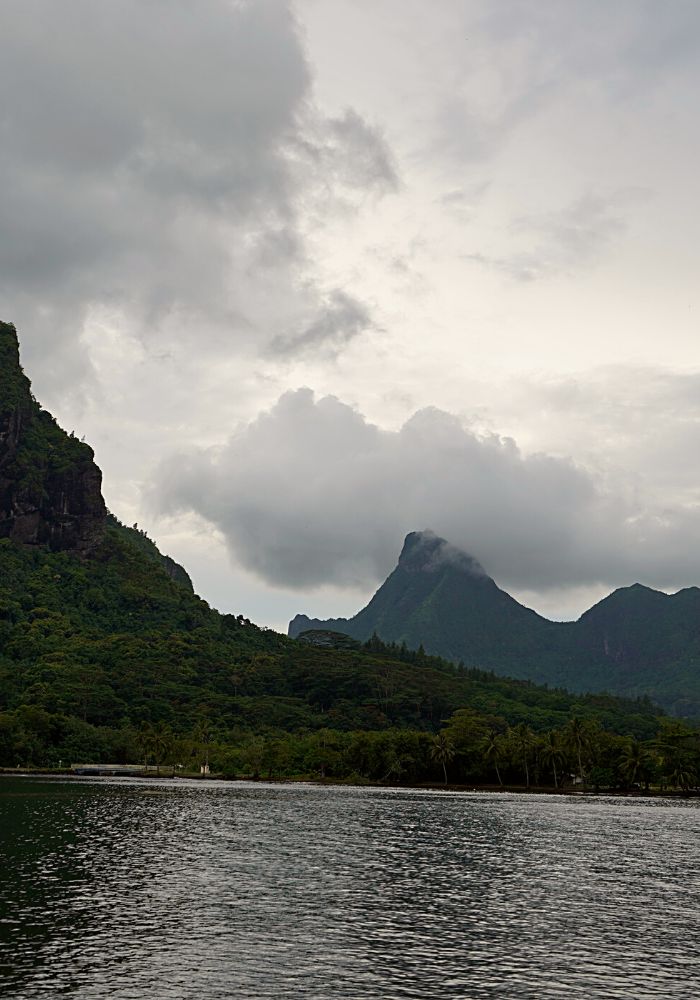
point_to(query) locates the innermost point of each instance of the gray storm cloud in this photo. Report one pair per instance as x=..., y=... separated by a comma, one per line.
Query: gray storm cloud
x=154, y=160
x=311, y=493
x=341, y=318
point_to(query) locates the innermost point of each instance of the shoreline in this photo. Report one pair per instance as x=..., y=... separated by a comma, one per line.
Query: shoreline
x=577, y=791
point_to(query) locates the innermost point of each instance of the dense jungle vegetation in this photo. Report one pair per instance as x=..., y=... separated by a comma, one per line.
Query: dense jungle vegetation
x=111, y=659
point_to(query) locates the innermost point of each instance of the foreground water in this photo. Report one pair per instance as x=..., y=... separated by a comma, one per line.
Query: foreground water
x=126, y=889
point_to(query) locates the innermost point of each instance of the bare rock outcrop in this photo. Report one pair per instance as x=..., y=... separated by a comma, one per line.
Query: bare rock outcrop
x=50, y=486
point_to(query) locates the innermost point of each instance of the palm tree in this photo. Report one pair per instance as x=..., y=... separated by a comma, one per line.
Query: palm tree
x=144, y=740
x=253, y=753
x=492, y=750
x=394, y=766
x=442, y=751
x=676, y=753
x=679, y=771
x=201, y=742
x=552, y=752
x=634, y=762
x=161, y=742
x=577, y=737
x=523, y=739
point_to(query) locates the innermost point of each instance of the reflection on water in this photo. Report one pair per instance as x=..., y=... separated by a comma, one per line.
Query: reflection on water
x=124, y=889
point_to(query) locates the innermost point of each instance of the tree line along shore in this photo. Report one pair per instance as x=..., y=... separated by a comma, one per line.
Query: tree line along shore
x=470, y=750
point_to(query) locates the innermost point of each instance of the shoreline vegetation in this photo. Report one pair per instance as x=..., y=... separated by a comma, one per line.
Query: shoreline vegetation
x=569, y=790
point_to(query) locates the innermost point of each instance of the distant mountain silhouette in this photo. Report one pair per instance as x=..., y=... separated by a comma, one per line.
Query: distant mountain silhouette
x=635, y=642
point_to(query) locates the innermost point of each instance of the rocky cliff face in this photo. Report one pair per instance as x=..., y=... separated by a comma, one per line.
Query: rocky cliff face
x=50, y=487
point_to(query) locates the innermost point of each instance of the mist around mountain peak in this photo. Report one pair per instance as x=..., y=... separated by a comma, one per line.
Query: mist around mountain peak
x=425, y=551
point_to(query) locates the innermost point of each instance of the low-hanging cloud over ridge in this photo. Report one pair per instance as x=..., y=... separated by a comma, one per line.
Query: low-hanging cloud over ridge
x=312, y=493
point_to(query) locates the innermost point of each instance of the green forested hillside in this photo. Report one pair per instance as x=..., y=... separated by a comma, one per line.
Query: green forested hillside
x=106, y=654
x=112, y=642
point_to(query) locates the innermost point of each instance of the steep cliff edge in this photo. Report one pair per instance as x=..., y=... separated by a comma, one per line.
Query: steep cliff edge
x=50, y=487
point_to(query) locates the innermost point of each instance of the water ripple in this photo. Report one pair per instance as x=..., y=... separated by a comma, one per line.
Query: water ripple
x=125, y=889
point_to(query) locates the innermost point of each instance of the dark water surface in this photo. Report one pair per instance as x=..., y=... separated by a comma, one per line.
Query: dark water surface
x=134, y=890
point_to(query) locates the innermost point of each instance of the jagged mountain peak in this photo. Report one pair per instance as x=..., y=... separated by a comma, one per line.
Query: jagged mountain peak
x=426, y=552
x=50, y=487
x=14, y=384
x=9, y=343
x=435, y=591
x=636, y=641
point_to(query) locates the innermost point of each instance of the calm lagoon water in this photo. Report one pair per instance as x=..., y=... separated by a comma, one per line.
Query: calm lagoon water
x=141, y=891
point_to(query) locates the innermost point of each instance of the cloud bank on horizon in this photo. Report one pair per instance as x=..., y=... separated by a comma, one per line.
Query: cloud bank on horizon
x=311, y=493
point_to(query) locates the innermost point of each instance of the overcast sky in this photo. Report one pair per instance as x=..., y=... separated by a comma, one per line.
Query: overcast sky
x=311, y=275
